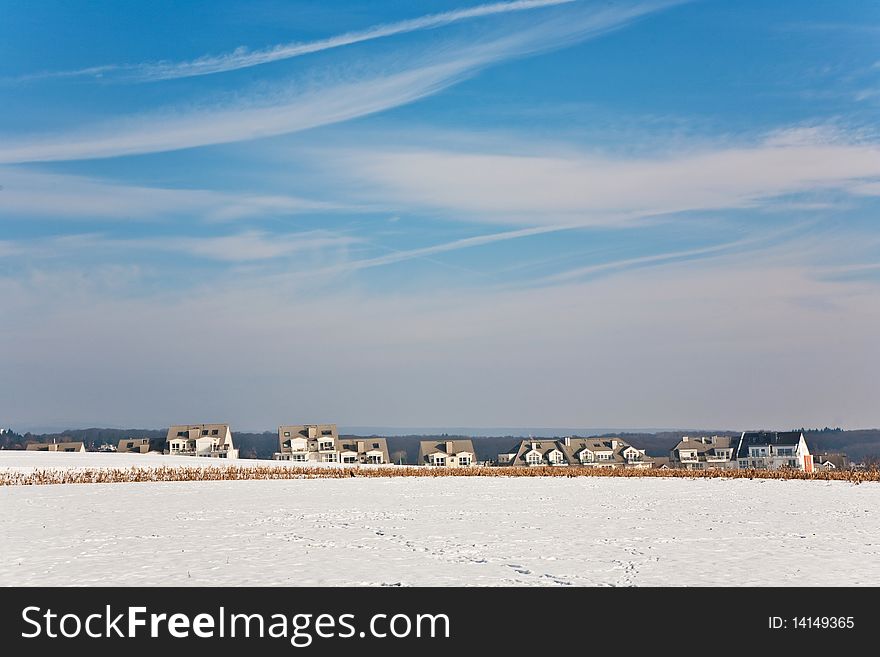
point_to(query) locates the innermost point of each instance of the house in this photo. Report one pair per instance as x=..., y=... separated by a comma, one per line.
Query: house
x=320, y=443
x=207, y=440
x=447, y=453
x=134, y=445
x=769, y=450
x=73, y=446
x=662, y=462
x=830, y=461
x=704, y=453
x=611, y=452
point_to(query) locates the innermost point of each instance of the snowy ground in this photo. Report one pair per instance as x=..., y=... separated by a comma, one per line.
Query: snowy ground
x=442, y=531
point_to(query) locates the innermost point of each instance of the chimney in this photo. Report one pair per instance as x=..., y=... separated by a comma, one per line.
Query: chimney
x=313, y=431
x=568, y=441
x=449, y=447
x=360, y=446
x=613, y=443
x=684, y=439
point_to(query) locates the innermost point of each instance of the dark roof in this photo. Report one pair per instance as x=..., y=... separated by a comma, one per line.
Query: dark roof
x=752, y=438
x=838, y=460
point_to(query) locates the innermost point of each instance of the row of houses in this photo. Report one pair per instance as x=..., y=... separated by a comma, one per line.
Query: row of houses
x=321, y=443
x=589, y=452
x=761, y=450
x=131, y=445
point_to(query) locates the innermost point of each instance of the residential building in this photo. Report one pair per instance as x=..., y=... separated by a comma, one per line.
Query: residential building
x=611, y=452
x=134, y=445
x=830, y=461
x=72, y=446
x=447, y=453
x=704, y=453
x=769, y=450
x=321, y=443
x=206, y=440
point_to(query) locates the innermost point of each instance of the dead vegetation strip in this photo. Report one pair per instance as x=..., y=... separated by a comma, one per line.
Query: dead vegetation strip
x=240, y=473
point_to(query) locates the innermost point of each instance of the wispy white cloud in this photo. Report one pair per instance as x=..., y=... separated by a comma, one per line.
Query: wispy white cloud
x=33, y=193
x=252, y=246
x=242, y=247
x=244, y=58
x=655, y=259
x=594, y=189
x=419, y=77
x=454, y=245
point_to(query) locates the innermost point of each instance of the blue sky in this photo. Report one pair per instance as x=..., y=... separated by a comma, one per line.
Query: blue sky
x=521, y=213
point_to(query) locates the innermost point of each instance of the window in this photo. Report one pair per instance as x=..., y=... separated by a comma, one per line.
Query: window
x=298, y=457
x=464, y=460
x=129, y=445
x=326, y=432
x=375, y=445
x=204, y=432
x=349, y=458
x=182, y=434
x=325, y=445
x=215, y=432
x=287, y=434
x=533, y=458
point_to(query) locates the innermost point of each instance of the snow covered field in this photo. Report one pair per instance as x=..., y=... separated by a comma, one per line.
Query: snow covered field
x=442, y=531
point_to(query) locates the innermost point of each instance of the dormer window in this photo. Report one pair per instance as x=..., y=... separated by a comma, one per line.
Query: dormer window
x=215, y=432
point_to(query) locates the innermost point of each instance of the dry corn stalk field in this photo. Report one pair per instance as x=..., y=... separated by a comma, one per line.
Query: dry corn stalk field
x=235, y=473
